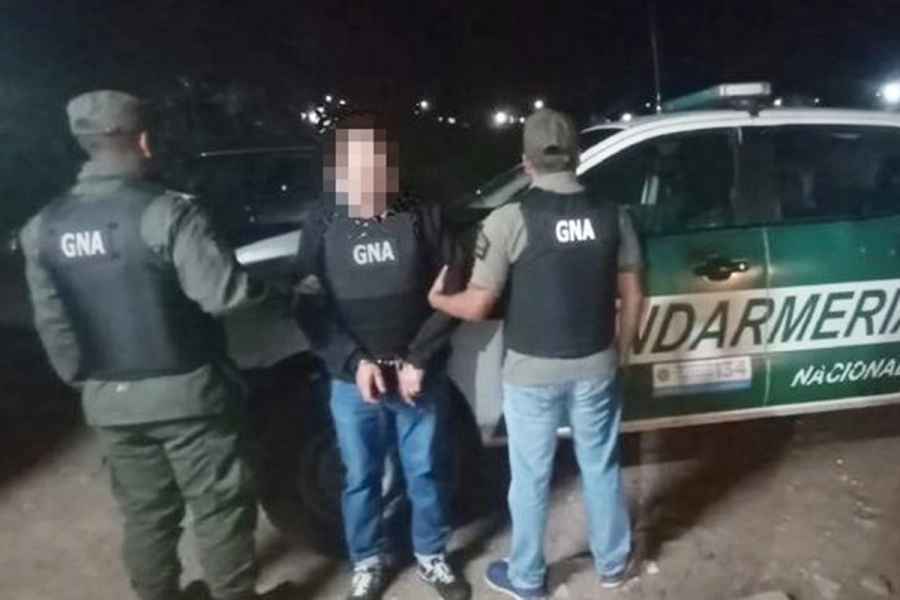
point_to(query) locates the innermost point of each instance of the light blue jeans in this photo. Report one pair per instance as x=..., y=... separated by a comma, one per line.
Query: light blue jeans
x=533, y=415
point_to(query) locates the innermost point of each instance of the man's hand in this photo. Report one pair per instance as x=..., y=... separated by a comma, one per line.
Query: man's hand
x=370, y=381
x=410, y=380
x=437, y=289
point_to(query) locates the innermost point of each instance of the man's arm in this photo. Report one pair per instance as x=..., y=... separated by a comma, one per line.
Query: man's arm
x=630, y=288
x=499, y=243
x=631, y=296
x=50, y=319
x=208, y=271
x=313, y=309
x=434, y=335
x=473, y=304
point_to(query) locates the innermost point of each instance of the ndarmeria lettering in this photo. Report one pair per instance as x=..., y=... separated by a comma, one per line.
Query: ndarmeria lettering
x=783, y=320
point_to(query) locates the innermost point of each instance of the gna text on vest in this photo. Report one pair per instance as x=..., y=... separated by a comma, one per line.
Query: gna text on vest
x=574, y=230
x=82, y=243
x=373, y=252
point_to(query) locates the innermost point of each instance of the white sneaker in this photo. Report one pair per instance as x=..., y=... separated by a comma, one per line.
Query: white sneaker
x=367, y=583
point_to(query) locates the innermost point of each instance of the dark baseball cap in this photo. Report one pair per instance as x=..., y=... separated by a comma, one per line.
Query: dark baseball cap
x=549, y=133
x=105, y=112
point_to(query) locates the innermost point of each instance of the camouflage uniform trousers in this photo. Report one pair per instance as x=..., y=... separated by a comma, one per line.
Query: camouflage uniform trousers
x=156, y=470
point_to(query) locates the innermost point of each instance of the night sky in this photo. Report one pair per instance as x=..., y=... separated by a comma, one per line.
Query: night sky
x=465, y=56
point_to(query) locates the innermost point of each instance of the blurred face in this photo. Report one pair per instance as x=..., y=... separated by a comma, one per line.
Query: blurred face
x=363, y=172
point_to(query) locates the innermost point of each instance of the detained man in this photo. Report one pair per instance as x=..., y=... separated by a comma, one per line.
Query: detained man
x=565, y=256
x=386, y=350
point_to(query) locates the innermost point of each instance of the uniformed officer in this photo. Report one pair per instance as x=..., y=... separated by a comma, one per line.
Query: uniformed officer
x=124, y=277
x=385, y=348
x=565, y=255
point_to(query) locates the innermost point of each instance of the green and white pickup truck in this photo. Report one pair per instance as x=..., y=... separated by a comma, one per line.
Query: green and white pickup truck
x=771, y=240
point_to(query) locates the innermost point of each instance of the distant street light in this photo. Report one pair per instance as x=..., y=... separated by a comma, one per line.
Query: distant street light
x=424, y=105
x=627, y=117
x=538, y=104
x=328, y=98
x=501, y=118
x=890, y=93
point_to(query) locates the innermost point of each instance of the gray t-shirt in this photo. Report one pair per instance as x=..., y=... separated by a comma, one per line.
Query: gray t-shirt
x=502, y=239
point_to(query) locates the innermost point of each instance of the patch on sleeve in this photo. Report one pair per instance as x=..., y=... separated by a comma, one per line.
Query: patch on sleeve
x=482, y=245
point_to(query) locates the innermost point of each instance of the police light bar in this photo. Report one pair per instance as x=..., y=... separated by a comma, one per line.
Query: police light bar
x=729, y=94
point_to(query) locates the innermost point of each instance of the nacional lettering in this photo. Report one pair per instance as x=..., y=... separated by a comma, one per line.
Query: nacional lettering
x=783, y=320
x=82, y=244
x=373, y=252
x=574, y=230
x=844, y=372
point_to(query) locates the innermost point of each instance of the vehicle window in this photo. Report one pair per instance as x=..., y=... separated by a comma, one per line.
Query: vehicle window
x=592, y=137
x=286, y=176
x=221, y=186
x=675, y=183
x=497, y=191
x=284, y=188
x=834, y=172
x=621, y=177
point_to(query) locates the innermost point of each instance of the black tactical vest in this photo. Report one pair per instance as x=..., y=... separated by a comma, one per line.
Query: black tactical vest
x=376, y=273
x=562, y=295
x=130, y=316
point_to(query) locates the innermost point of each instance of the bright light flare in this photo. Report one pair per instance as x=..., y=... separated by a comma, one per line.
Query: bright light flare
x=890, y=92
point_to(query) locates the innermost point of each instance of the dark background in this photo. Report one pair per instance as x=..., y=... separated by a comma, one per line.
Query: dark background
x=240, y=72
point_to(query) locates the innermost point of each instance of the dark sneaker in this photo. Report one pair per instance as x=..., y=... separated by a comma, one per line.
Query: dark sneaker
x=497, y=577
x=368, y=582
x=617, y=580
x=437, y=573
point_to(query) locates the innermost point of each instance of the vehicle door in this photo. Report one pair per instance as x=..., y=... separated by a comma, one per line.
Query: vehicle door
x=834, y=331
x=700, y=351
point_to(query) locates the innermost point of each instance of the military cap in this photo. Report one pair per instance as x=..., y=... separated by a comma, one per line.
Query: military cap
x=104, y=112
x=549, y=133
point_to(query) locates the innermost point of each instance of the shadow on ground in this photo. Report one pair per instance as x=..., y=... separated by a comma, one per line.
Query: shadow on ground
x=37, y=412
x=722, y=457
x=716, y=461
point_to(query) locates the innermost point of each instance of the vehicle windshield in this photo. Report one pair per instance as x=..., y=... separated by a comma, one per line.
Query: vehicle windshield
x=503, y=187
x=590, y=138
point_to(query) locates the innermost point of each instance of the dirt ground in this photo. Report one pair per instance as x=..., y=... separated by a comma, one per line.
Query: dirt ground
x=809, y=506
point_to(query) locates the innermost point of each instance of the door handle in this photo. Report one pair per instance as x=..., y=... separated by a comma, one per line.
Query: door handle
x=719, y=268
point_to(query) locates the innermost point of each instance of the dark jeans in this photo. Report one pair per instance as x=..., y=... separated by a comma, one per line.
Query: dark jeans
x=366, y=434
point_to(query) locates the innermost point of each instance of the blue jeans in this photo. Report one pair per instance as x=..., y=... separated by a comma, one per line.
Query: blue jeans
x=533, y=415
x=366, y=434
